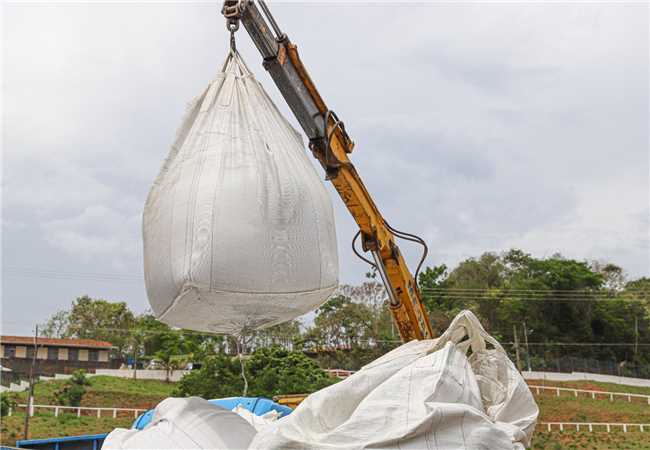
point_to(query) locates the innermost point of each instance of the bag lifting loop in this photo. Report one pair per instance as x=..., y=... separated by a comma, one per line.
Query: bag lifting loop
x=233, y=45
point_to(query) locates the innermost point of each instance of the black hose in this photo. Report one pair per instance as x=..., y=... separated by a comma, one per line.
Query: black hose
x=354, y=249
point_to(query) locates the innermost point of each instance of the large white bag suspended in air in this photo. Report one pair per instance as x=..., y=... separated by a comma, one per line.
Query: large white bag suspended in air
x=238, y=227
x=442, y=394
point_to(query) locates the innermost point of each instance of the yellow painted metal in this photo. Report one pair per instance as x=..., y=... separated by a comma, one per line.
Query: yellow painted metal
x=292, y=401
x=410, y=315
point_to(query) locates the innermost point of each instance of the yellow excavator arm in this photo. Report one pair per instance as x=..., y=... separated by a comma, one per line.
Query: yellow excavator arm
x=331, y=145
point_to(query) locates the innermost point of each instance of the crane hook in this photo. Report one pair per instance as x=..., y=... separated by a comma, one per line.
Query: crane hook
x=231, y=11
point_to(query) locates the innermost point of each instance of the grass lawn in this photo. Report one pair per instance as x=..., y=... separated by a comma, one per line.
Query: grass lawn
x=584, y=409
x=44, y=425
x=571, y=409
x=103, y=391
x=571, y=440
x=106, y=391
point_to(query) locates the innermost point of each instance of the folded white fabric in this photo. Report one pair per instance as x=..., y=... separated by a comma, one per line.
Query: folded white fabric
x=258, y=422
x=185, y=423
x=422, y=395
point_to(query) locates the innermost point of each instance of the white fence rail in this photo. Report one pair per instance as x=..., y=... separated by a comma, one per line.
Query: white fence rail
x=594, y=426
x=593, y=394
x=144, y=374
x=583, y=376
x=79, y=409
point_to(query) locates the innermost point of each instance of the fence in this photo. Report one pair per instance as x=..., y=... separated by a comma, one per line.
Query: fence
x=144, y=374
x=583, y=376
x=79, y=409
x=594, y=394
x=577, y=364
x=592, y=426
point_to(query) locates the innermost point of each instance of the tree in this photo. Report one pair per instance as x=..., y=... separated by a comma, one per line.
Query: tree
x=175, y=351
x=613, y=275
x=285, y=335
x=271, y=371
x=372, y=295
x=340, y=322
x=219, y=376
x=103, y=320
x=276, y=371
x=147, y=333
x=57, y=325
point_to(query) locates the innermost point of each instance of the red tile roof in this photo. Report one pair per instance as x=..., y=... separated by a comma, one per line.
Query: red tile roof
x=29, y=340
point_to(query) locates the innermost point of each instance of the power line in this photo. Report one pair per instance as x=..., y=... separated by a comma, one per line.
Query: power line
x=68, y=275
x=550, y=344
x=523, y=290
x=537, y=294
x=544, y=299
x=104, y=276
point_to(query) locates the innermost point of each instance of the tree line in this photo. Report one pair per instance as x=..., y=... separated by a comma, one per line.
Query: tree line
x=558, y=310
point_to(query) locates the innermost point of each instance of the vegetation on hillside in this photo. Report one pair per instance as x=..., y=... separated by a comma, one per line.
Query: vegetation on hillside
x=103, y=391
x=569, y=311
x=73, y=390
x=269, y=372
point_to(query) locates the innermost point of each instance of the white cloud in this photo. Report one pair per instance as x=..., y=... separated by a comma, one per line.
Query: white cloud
x=99, y=232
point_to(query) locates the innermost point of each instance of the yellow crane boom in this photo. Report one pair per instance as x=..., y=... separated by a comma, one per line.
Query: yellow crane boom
x=331, y=145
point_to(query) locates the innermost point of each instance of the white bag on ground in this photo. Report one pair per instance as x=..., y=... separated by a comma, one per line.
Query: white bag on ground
x=258, y=422
x=185, y=423
x=238, y=227
x=422, y=395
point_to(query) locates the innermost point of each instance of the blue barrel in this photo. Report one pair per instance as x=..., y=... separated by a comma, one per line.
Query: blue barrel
x=256, y=405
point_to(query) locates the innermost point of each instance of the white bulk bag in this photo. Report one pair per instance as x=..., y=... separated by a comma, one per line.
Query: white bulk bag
x=422, y=395
x=257, y=422
x=238, y=227
x=184, y=424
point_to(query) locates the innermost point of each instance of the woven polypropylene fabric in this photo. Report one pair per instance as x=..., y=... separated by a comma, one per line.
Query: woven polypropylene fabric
x=238, y=227
x=423, y=395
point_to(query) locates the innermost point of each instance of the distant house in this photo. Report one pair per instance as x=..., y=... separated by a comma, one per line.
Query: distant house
x=54, y=355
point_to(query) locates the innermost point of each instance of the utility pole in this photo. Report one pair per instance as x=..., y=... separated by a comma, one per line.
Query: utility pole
x=527, y=349
x=135, y=358
x=30, y=398
x=514, y=332
x=636, y=336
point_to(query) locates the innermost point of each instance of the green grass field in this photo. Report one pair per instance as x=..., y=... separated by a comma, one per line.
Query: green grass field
x=127, y=393
x=567, y=408
x=103, y=392
x=571, y=440
x=107, y=391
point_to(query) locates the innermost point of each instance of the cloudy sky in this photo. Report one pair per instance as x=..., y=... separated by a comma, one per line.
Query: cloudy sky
x=480, y=126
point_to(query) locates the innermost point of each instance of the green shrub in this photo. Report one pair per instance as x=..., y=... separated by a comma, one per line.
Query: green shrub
x=269, y=371
x=6, y=403
x=74, y=389
x=219, y=376
x=276, y=371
